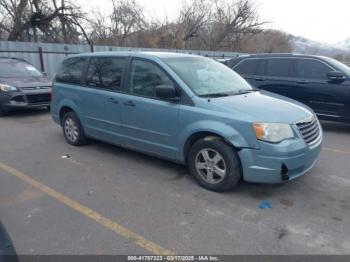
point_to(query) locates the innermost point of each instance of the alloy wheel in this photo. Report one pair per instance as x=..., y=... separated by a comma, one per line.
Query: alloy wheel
x=210, y=165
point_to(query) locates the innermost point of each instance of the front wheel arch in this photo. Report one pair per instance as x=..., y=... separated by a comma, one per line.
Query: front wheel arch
x=203, y=135
x=231, y=164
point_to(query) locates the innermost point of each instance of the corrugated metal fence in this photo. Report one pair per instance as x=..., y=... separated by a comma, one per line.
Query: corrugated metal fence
x=47, y=57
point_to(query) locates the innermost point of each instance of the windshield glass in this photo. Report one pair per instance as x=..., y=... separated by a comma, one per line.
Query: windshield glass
x=15, y=68
x=340, y=66
x=207, y=77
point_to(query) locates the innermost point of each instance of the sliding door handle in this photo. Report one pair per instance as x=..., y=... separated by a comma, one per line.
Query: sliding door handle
x=112, y=100
x=129, y=103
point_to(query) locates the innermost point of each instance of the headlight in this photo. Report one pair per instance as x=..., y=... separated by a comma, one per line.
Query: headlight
x=7, y=88
x=273, y=132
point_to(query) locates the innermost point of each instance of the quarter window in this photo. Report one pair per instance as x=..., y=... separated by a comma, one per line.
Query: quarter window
x=105, y=73
x=247, y=67
x=144, y=77
x=71, y=70
x=311, y=69
x=278, y=67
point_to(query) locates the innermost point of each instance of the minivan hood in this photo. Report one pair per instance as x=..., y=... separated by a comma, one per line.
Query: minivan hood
x=263, y=106
x=24, y=82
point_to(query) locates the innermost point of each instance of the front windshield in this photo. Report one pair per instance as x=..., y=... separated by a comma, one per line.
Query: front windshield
x=344, y=68
x=15, y=68
x=207, y=77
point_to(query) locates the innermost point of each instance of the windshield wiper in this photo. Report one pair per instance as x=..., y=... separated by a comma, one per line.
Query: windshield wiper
x=222, y=94
x=213, y=95
x=246, y=91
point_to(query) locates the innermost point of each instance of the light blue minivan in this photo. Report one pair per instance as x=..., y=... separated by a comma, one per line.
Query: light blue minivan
x=187, y=109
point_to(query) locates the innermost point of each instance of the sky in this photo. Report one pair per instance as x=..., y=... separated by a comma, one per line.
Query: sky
x=319, y=20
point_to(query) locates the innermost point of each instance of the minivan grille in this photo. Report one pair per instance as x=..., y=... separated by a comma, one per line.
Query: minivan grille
x=310, y=130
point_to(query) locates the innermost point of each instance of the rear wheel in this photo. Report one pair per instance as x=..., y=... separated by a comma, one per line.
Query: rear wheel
x=73, y=130
x=214, y=164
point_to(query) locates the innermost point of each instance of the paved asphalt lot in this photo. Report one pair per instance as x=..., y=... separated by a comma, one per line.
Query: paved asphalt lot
x=119, y=193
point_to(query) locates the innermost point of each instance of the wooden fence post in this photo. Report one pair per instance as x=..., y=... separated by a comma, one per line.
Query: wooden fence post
x=41, y=57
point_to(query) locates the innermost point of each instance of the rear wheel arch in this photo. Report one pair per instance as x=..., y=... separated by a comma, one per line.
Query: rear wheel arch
x=64, y=110
x=72, y=129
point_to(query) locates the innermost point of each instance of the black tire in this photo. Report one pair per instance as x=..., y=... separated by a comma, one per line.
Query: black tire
x=230, y=162
x=79, y=137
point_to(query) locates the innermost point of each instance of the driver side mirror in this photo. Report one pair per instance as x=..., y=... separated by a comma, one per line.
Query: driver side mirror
x=336, y=76
x=167, y=92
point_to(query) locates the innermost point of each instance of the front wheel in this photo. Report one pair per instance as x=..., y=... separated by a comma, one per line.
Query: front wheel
x=73, y=130
x=214, y=164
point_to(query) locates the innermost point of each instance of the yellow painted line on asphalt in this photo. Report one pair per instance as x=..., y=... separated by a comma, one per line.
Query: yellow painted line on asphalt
x=336, y=150
x=109, y=224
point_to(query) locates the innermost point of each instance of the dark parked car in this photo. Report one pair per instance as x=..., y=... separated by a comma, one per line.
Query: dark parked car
x=22, y=86
x=322, y=83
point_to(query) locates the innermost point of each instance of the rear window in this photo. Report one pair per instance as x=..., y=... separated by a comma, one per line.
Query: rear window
x=278, y=67
x=247, y=67
x=71, y=70
x=17, y=68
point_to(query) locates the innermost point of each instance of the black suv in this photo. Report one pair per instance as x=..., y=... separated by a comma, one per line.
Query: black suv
x=322, y=83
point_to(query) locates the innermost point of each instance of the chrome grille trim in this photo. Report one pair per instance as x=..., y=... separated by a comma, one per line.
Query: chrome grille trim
x=36, y=87
x=309, y=130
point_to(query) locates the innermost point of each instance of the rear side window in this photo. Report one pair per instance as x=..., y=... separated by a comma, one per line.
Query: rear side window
x=105, y=73
x=71, y=70
x=247, y=67
x=311, y=69
x=144, y=77
x=278, y=67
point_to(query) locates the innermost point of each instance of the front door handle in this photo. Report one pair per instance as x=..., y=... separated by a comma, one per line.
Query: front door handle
x=302, y=81
x=259, y=79
x=129, y=103
x=112, y=100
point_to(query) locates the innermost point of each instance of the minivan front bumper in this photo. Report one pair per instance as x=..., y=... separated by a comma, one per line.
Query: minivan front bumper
x=276, y=163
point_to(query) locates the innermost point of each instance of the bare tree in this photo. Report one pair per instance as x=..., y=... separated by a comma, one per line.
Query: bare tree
x=199, y=24
x=13, y=14
x=192, y=18
x=127, y=17
x=231, y=21
x=268, y=41
x=212, y=24
x=59, y=22
x=100, y=30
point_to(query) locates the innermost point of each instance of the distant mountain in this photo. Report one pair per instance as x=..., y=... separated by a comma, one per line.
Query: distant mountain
x=344, y=44
x=306, y=46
